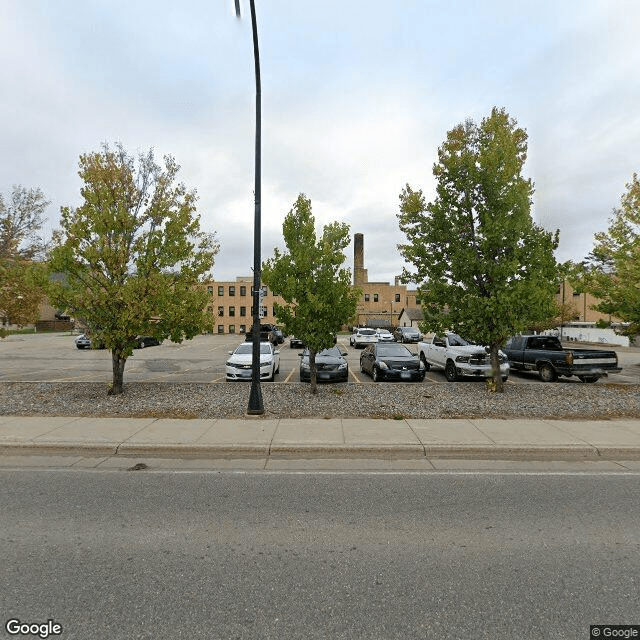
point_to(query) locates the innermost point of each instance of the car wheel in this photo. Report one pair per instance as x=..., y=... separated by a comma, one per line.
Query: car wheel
x=361, y=367
x=375, y=374
x=547, y=373
x=141, y=344
x=427, y=366
x=450, y=371
x=588, y=378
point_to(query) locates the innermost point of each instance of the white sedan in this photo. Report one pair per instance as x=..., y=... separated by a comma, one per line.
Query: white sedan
x=384, y=336
x=238, y=366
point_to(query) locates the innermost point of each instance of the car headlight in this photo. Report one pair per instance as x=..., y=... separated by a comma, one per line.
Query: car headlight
x=304, y=366
x=342, y=367
x=462, y=358
x=231, y=364
x=383, y=365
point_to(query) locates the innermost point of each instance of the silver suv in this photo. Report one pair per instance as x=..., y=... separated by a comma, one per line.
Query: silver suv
x=363, y=337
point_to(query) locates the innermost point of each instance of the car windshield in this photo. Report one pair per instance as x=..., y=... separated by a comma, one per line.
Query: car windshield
x=332, y=351
x=247, y=347
x=456, y=341
x=409, y=331
x=393, y=350
x=367, y=332
x=383, y=332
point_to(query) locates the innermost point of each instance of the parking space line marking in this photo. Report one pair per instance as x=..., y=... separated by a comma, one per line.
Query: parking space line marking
x=217, y=380
x=289, y=376
x=355, y=377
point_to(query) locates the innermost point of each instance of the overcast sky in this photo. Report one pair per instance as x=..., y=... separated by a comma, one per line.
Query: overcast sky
x=357, y=96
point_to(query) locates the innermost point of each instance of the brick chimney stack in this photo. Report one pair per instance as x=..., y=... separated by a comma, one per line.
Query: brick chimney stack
x=359, y=272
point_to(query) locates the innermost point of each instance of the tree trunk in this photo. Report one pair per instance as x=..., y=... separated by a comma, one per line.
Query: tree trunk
x=117, y=386
x=498, y=384
x=313, y=371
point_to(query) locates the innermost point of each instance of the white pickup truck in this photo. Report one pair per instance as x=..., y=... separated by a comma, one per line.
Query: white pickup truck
x=459, y=358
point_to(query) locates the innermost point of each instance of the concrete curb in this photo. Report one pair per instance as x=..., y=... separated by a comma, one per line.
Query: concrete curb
x=309, y=451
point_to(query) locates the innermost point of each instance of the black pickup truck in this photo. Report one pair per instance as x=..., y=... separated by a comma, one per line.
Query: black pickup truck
x=545, y=355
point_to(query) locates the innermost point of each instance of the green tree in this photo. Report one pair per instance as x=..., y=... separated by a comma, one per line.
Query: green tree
x=485, y=269
x=611, y=272
x=133, y=255
x=318, y=292
x=21, y=276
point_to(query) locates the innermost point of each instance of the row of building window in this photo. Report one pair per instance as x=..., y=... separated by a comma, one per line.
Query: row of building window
x=243, y=311
x=232, y=328
x=376, y=298
x=232, y=290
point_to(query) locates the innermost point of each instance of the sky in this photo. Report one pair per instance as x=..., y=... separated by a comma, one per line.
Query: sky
x=357, y=96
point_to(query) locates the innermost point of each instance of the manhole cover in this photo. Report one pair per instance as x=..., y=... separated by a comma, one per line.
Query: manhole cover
x=162, y=365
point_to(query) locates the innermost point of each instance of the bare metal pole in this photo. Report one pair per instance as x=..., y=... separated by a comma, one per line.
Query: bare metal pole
x=256, y=406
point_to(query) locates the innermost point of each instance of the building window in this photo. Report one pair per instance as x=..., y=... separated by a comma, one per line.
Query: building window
x=243, y=328
x=243, y=291
x=232, y=312
x=366, y=297
x=221, y=312
x=263, y=312
x=418, y=302
x=375, y=297
x=210, y=290
x=243, y=311
x=232, y=291
x=220, y=291
x=220, y=328
x=232, y=328
x=397, y=297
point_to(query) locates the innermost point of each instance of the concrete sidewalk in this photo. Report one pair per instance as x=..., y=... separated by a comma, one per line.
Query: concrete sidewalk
x=338, y=438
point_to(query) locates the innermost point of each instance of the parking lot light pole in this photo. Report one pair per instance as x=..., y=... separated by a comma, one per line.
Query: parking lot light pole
x=256, y=406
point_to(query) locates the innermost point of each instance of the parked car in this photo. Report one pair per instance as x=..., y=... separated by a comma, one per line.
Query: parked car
x=146, y=341
x=384, y=336
x=459, y=358
x=407, y=334
x=363, y=337
x=277, y=331
x=331, y=366
x=238, y=366
x=295, y=343
x=546, y=355
x=267, y=334
x=83, y=341
x=391, y=361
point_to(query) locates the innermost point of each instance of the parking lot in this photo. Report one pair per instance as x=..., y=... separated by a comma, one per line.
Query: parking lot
x=55, y=358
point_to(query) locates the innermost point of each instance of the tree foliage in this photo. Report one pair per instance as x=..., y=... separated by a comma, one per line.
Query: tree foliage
x=611, y=272
x=133, y=255
x=485, y=270
x=21, y=277
x=20, y=224
x=310, y=278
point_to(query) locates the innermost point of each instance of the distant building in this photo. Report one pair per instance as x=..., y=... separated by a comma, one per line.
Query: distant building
x=232, y=303
x=410, y=318
x=581, y=304
x=380, y=303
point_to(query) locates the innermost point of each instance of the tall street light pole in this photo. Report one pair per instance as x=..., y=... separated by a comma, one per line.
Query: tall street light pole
x=256, y=406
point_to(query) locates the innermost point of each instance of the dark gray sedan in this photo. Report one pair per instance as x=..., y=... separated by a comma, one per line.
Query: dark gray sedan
x=330, y=366
x=391, y=361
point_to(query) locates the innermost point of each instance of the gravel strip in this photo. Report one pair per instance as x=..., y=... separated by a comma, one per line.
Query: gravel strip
x=382, y=400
